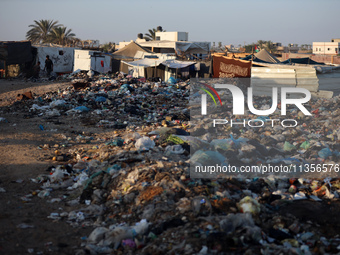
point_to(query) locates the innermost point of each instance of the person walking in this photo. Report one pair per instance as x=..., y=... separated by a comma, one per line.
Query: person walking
x=48, y=65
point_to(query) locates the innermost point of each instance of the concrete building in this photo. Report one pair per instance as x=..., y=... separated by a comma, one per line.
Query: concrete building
x=172, y=36
x=327, y=48
x=174, y=43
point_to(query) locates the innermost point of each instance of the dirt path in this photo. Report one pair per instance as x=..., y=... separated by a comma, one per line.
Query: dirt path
x=21, y=160
x=9, y=89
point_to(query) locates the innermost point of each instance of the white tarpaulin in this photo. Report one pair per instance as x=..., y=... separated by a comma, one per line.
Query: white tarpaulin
x=136, y=68
x=177, y=64
x=62, y=58
x=145, y=62
x=193, y=47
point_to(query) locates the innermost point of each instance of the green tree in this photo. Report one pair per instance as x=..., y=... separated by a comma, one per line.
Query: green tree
x=41, y=30
x=250, y=48
x=61, y=36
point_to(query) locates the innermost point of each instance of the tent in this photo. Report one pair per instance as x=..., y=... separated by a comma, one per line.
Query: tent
x=157, y=68
x=263, y=56
x=131, y=51
x=306, y=61
x=62, y=57
x=176, y=67
x=137, y=68
x=225, y=67
x=92, y=60
x=193, y=47
x=176, y=64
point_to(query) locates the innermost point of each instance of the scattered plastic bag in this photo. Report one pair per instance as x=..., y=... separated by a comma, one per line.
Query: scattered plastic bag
x=144, y=144
x=325, y=153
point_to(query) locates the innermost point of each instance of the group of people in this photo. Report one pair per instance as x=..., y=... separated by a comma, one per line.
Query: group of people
x=48, y=67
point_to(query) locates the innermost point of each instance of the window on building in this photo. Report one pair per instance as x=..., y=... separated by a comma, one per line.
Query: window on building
x=319, y=49
x=316, y=49
x=158, y=38
x=61, y=52
x=328, y=49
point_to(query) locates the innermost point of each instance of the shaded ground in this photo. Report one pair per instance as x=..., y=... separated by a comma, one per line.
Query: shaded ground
x=20, y=160
x=324, y=214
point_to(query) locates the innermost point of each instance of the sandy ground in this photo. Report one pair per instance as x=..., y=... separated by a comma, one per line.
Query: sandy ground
x=20, y=160
x=9, y=89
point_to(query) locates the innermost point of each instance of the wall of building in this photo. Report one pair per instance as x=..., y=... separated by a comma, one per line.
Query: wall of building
x=318, y=58
x=326, y=59
x=286, y=56
x=172, y=36
x=326, y=48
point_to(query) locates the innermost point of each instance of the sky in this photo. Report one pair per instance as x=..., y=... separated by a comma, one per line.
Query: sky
x=227, y=21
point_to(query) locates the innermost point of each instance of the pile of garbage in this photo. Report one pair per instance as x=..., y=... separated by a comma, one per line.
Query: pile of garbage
x=134, y=188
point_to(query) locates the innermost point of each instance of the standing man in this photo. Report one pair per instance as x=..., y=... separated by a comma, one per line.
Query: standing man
x=48, y=65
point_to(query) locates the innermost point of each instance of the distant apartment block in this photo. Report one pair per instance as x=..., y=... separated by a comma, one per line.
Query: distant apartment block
x=291, y=48
x=172, y=36
x=327, y=48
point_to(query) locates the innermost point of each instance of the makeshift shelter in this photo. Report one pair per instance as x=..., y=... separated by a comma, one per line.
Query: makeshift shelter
x=62, y=57
x=138, y=68
x=179, y=47
x=263, y=56
x=176, y=67
x=225, y=67
x=306, y=61
x=130, y=52
x=157, y=68
x=92, y=60
x=13, y=54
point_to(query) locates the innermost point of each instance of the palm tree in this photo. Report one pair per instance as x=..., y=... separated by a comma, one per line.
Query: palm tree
x=61, y=35
x=40, y=31
x=74, y=42
x=151, y=36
